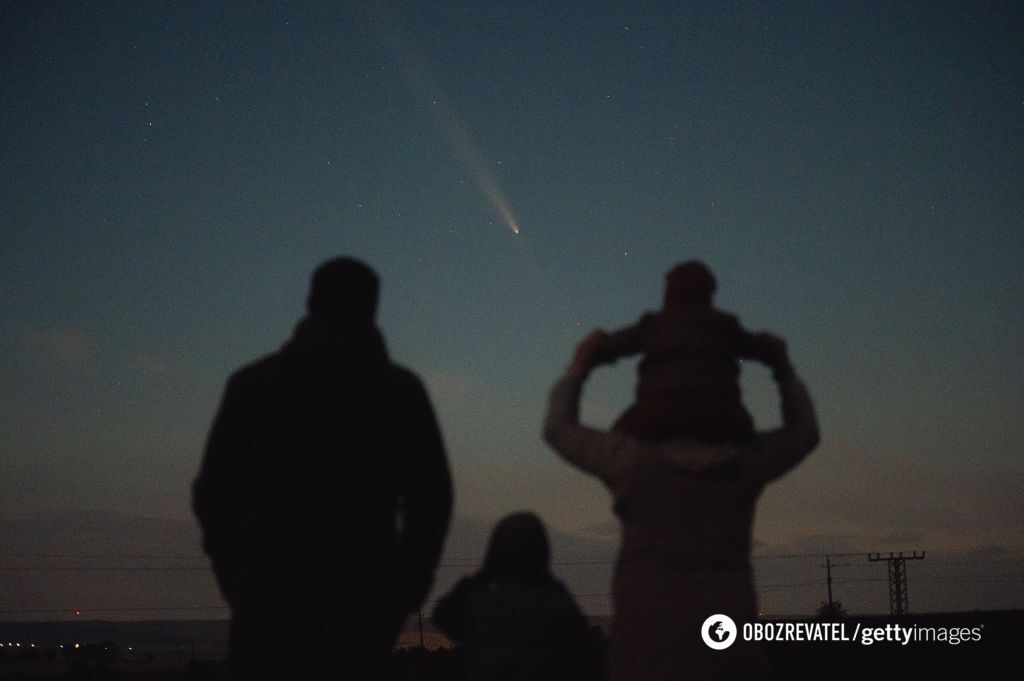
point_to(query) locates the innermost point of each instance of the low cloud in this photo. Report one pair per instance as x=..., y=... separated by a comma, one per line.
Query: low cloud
x=151, y=365
x=67, y=346
x=448, y=388
x=84, y=532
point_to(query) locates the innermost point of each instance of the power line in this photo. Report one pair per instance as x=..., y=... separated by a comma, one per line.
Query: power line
x=444, y=565
x=762, y=588
x=124, y=556
x=456, y=561
x=91, y=610
x=93, y=568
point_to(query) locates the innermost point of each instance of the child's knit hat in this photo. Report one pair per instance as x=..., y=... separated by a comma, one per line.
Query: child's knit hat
x=689, y=283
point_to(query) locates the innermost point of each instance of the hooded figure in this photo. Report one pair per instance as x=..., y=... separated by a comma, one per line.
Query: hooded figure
x=513, y=619
x=324, y=494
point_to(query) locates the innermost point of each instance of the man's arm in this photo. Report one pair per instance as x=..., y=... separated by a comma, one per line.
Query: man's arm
x=606, y=455
x=425, y=496
x=610, y=455
x=782, y=449
x=448, y=613
x=747, y=345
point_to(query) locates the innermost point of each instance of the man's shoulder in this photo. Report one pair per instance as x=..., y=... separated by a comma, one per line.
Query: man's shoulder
x=402, y=381
x=258, y=370
x=279, y=368
x=402, y=374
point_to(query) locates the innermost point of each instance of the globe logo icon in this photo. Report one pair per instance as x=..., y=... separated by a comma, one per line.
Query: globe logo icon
x=718, y=632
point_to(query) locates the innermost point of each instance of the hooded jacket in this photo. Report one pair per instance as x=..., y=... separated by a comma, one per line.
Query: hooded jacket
x=324, y=483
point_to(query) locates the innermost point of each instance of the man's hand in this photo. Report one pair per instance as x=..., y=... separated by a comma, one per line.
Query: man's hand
x=774, y=353
x=588, y=350
x=772, y=348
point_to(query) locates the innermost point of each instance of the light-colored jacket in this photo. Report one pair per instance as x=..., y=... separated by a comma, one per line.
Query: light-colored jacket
x=686, y=511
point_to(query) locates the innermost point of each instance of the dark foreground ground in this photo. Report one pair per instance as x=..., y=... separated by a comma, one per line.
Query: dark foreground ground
x=995, y=655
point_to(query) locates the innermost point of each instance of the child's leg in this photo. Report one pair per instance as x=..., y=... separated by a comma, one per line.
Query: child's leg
x=703, y=418
x=726, y=422
x=655, y=420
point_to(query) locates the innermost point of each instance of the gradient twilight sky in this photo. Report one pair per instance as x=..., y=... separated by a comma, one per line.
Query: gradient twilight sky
x=172, y=173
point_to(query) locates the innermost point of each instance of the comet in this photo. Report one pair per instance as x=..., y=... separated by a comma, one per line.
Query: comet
x=467, y=150
x=459, y=137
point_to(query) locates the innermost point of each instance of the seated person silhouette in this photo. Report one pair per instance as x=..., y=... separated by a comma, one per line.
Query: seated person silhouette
x=514, y=620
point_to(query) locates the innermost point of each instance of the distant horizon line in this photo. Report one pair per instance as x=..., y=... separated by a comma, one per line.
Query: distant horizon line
x=413, y=616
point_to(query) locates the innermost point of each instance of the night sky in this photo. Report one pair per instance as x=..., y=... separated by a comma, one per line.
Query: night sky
x=852, y=172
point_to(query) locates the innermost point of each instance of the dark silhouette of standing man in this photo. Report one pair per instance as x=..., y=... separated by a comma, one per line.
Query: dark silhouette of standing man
x=324, y=495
